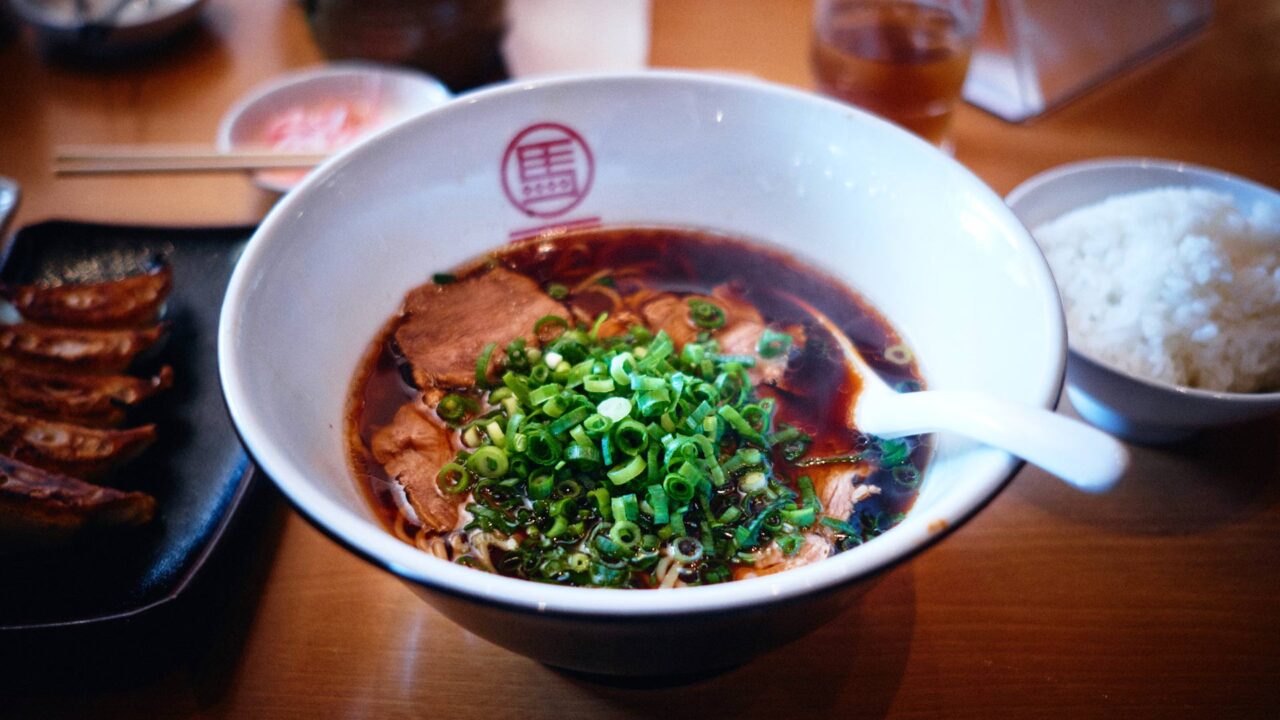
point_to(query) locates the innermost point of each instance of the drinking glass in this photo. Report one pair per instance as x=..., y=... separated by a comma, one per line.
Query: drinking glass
x=904, y=60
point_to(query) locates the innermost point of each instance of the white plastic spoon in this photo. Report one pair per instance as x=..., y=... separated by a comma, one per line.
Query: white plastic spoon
x=1082, y=456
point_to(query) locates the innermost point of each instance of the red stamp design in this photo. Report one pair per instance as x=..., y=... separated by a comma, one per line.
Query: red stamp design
x=547, y=170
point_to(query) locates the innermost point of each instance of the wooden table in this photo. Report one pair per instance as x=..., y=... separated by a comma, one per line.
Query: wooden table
x=1158, y=599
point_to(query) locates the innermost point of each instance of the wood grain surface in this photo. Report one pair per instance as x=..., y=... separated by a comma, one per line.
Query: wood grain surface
x=1159, y=599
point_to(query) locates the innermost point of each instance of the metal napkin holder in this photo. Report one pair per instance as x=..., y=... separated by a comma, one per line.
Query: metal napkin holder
x=1034, y=55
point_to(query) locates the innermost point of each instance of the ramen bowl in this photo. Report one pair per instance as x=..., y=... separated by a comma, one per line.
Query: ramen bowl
x=917, y=235
x=1136, y=408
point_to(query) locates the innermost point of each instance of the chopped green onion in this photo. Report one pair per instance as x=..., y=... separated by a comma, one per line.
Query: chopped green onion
x=550, y=323
x=773, y=344
x=894, y=452
x=595, y=458
x=624, y=473
x=494, y=431
x=488, y=461
x=790, y=544
x=629, y=437
x=452, y=407
x=653, y=402
x=582, y=456
x=595, y=328
x=706, y=315
x=614, y=408
x=557, y=291
x=679, y=488
x=906, y=475
x=453, y=478
x=841, y=527
x=740, y=424
x=753, y=482
x=517, y=385
x=542, y=394
x=482, y=364
x=807, y=494
x=540, y=486
x=786, y=434
x=800, y=517
x=444, y=278
x=657, y=499
x=624, y=507
x=598, y=384
x=686, y=550
x=558, y=526
x=898, y=354
x=543, y=448
x=596, y=425
x=569, y=419
x=621, y=367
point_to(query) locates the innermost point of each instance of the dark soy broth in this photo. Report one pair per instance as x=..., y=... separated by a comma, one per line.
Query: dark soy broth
x=816, y=395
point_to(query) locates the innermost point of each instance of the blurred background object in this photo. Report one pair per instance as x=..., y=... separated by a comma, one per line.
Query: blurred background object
x=904, y=60
x=8, y=26
x=557, y=36
x=105, y=28
x=1034, y=55
x=458, y=41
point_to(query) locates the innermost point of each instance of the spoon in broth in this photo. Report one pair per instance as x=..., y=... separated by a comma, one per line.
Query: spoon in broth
x=1080, y=455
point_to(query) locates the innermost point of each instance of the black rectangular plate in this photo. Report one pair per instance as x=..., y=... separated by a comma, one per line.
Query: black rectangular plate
x=197, y=470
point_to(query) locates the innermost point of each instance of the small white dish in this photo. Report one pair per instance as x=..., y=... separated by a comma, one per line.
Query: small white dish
x=1123, y=404
x=374, y=97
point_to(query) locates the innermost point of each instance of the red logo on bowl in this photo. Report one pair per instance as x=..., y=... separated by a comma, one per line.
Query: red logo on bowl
x=547, y=170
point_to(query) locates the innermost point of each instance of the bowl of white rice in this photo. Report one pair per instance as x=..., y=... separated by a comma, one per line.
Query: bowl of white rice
x=1170, y=281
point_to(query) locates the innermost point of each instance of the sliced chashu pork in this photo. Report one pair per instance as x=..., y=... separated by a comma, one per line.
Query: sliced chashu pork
x=740, y=335
x=839, y=488
x=412, y=449
x=446, y=327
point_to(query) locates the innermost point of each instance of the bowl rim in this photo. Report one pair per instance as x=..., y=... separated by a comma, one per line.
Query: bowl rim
x=372, y=542
x=1062, y=173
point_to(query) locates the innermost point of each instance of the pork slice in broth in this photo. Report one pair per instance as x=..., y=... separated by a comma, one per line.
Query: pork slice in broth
x=840, y=489
x=740, y=335
x=446, y=327
x=413, y=448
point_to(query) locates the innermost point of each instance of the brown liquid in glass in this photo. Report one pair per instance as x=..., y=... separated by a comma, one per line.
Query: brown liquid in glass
x=906, y=63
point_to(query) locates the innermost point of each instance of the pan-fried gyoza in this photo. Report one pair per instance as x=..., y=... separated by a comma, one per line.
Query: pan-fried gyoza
x=133, y=301
x=64, y=398
x=86, y=350
x=39, y=507
x=93, y=400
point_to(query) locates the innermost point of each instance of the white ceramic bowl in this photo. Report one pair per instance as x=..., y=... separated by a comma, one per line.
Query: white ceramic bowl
x=921, y=237
x=393, y=94
x=1123, y=404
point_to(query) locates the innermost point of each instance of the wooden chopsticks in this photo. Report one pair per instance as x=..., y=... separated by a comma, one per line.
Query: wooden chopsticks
x=96, y=159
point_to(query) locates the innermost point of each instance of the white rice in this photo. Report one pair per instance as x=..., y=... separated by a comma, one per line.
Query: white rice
x=1175, y=285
